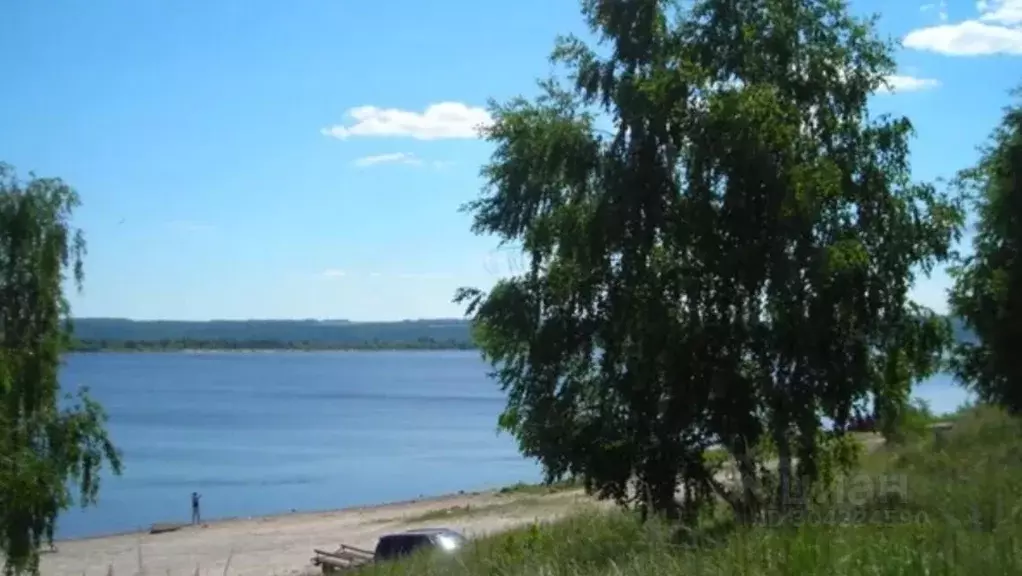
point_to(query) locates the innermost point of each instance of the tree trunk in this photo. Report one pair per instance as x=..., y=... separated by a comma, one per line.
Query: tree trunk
x=781, y=440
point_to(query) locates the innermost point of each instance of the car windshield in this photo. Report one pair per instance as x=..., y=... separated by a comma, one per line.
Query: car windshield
x=449, y=542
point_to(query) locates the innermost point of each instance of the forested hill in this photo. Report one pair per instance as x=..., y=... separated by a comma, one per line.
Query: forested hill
x=92, y=334
x=96, y=334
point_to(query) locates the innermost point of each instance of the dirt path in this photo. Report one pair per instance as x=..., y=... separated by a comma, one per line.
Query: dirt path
x=284, y=544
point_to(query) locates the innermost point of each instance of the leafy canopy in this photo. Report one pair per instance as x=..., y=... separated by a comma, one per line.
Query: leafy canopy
x=987, y=292
x=44, y=448
x=720, y=242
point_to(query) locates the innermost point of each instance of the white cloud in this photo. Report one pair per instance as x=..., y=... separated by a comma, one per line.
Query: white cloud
x=899, y=83
x=444, y=120
x=1005, y=12
x=393, y=158
x=997, y=29
x=334, y=273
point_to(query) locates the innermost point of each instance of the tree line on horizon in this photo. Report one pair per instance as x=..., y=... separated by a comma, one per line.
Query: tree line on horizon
x=97, y=334
x=299, y=335
x=169, y=345
x=727, y=267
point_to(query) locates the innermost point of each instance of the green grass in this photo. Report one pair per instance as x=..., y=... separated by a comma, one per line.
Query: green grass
x=524, y=496
x=953, y=511
x=541, y=489
x=468, y=511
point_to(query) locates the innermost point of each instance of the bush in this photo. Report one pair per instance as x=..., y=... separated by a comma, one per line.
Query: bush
x=913, y=423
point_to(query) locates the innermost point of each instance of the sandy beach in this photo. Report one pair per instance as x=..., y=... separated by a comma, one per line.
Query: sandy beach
x=284, y=544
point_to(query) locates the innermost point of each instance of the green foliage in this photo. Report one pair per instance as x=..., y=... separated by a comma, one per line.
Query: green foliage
x=553, y=488
x=952, y=512
x=987, y=293
x=730, y=263
x=44, y=450
x=913, y=421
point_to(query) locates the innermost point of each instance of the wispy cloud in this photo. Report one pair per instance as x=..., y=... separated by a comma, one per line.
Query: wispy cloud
x=899, y=83
x=996, y=28
x=334, y=273
x=444, y=120
x=393, y=158
x=939, y=7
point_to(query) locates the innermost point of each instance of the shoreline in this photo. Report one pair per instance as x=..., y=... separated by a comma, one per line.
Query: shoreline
x=284, y=543
x=298, y=515
x=870, y=440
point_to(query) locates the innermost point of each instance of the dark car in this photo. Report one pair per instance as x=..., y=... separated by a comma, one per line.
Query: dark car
x=391, y=546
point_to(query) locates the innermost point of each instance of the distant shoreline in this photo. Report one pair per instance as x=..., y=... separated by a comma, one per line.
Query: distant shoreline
x=92, y=347
x=258, y=350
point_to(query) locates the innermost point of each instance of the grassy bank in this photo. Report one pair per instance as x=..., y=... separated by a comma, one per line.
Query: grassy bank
x=910, y=509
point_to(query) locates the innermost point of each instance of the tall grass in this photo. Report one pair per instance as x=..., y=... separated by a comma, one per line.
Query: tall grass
x=949, y=510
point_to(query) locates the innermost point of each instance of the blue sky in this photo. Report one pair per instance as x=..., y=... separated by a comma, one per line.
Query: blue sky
x=258, y=159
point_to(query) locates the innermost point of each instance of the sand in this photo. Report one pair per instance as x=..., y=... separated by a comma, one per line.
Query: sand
x=284, y=544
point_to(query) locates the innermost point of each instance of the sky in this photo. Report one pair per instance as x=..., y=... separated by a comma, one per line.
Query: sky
x=265, y=159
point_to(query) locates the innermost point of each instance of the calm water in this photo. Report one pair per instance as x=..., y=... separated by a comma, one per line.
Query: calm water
x=265, y=433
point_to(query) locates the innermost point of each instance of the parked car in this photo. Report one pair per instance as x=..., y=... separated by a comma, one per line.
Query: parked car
x=391, y=547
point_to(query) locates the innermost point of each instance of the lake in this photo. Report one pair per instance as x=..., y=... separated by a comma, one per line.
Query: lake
x=265, y=433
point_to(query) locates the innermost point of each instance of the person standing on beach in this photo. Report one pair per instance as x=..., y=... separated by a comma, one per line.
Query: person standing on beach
x=196, y=518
